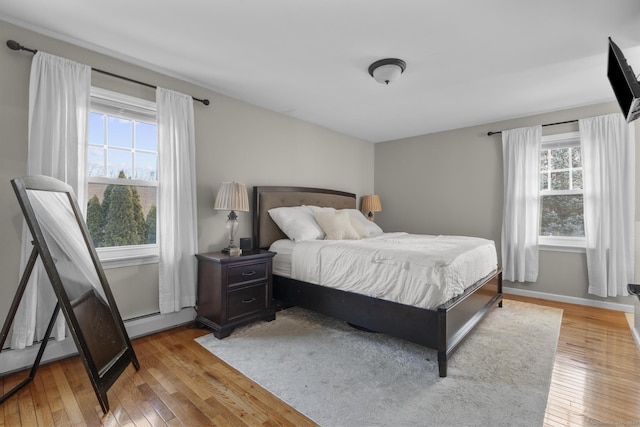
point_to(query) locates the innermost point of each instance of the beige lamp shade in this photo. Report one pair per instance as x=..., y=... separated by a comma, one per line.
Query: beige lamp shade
x=370, y=204
x=232, y=196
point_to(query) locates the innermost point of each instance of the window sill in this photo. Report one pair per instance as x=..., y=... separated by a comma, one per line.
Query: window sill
x=128, y=256
x=562, y=244
x=562, y=248
x=129, y=261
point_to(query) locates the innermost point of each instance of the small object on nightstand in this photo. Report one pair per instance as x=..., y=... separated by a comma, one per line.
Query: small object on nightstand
x=235, y=251
x=245, y=243
x=234, y=290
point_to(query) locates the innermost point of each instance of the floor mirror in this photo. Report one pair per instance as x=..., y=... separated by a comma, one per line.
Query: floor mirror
x=62, y=242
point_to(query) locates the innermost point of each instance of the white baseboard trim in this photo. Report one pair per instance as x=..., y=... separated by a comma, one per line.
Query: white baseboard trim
x=16, y=360
x=627, y=308
x=157, y=322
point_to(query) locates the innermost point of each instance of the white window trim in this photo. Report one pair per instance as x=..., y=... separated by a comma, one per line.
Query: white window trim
x=561, y=139
x=126, y=256
x=115, y=99
x=120, y=181
x=561, y=243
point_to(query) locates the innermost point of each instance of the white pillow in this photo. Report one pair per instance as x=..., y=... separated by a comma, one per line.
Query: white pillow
x=363, y=226
x=316, y=209
x=336, y=225
x=358, y=226
x=297, y=223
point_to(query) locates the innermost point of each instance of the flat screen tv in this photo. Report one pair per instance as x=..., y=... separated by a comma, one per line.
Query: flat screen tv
x=624, y=83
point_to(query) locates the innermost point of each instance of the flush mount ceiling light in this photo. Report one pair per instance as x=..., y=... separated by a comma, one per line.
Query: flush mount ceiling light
x=387, y=70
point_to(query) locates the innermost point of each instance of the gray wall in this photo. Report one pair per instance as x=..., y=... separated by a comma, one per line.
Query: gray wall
x=444, y=183
x=234, y=141
x=451, y=183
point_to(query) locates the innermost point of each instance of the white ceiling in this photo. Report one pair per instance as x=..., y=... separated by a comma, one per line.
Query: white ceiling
x=468, y=61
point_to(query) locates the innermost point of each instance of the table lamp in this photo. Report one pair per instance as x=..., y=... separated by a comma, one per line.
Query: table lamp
x=370, y=204
x=232, y=197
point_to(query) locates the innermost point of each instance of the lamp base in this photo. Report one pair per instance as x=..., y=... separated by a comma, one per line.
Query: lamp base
x=232, y=229
x=232, y=251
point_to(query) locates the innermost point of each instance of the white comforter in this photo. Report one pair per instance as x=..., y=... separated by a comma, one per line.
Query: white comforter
x=418, y=270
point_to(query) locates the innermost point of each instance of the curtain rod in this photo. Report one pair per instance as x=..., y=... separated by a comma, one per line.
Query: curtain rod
x=14, y=45
x=547, y=124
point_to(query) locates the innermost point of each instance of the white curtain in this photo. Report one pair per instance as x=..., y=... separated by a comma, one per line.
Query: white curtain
x=608, y=156
x=520, y=224
x=177, y=201
x=58, y=114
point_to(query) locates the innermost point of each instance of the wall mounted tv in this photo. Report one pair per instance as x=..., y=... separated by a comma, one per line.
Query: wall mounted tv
x=624, y=83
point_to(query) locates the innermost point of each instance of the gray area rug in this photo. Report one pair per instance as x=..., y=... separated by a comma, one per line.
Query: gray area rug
x=339, y=376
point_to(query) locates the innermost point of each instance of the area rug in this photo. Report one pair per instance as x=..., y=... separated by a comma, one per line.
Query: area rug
x=340, y=376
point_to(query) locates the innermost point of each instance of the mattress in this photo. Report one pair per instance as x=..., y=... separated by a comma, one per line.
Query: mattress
x=282, y=259
x=419, y=270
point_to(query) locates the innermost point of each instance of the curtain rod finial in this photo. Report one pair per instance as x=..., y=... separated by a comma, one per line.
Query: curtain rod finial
x=13, y=45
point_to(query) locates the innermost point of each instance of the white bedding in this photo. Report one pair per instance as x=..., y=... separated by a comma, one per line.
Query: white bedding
x=282, y=260
x=418, y=270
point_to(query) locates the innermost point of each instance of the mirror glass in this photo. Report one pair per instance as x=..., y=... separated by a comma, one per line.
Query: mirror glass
x=80, y=280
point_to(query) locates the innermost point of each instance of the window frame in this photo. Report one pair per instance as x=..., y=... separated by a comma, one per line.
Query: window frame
x=561, y=243
x=104, y=101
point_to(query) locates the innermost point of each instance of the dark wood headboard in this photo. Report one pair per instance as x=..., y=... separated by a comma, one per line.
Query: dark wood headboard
x=265, y=231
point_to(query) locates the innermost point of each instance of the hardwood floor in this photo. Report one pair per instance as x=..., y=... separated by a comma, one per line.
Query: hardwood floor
x=596, y=374
x=596, y=381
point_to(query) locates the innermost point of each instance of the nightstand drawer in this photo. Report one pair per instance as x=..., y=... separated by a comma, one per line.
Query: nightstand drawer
x=247, y=300
x=246, y=273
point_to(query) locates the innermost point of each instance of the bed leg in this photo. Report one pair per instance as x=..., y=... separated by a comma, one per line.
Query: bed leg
x=442, y=363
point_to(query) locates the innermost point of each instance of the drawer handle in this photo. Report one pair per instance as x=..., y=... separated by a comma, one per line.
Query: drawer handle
x=248, y=301
x=249, y=273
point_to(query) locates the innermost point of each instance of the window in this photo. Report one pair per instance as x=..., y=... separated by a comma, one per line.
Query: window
x=561, y=191
x=122, y=174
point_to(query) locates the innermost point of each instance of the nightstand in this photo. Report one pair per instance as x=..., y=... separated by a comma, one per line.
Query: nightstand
x=233, y=291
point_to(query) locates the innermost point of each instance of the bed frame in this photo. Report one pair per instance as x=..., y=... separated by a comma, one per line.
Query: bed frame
x=441, y=329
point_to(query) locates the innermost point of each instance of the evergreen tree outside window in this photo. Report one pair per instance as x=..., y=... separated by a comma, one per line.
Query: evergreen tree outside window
x=561, y=191
x=122, y=171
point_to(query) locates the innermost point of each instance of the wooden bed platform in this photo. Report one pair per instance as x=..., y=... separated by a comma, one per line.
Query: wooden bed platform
x=441, y=329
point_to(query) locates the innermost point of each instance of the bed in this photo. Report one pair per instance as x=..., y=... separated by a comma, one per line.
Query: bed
x=441, y=328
